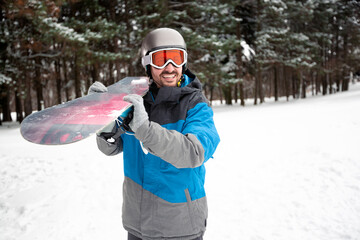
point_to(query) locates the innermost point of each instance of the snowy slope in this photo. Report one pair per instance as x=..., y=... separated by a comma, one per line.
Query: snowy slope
x=282, y=171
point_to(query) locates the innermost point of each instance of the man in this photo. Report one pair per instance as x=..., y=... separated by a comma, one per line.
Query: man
x=174, y=134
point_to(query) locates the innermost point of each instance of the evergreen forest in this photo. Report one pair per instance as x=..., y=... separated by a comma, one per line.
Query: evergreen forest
x=51, y=51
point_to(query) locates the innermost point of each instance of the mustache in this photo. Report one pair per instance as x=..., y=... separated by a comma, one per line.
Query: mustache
x=168, y=72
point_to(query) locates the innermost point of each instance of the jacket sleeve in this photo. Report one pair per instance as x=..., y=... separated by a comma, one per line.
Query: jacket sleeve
x=186, y=149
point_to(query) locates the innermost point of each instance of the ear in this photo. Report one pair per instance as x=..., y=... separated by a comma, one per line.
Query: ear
x=148, y=71
x=184, y=68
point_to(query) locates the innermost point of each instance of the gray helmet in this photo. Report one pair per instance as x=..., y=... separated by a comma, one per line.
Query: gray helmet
x=162, y=38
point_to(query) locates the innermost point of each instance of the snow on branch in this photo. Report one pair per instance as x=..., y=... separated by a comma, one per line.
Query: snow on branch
x=4, y=79
x=19, y=54
x=66, y=32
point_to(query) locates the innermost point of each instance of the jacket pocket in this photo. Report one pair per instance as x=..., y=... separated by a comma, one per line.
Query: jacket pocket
x=198, y=212
x=172, y=219
x=189, y=206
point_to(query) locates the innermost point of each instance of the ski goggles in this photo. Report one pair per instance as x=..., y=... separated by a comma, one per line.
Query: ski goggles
x=160, y=58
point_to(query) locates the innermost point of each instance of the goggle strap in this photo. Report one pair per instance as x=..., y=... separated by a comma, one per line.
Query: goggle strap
x=146, y=60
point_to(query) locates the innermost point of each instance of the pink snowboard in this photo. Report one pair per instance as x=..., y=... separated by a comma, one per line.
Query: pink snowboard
x=77, y=119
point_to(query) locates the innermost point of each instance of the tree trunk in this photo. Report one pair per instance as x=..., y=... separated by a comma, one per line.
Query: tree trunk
x=95, y=72
x=28, y=99
x=227, y=94
x=111, y=73
x=318, y=82
x=260, y=88
x=236, y=92
x=58, y=80
x=337, y=60
x=294, y=86
x=325, y=77
x=239, y=72
x=117, y=61
x=312, y=77
x=303, y=84
x=38, y=85
x=256, y=91
x=66, y=81
x=18, y=107
x=276, y=90
x=286, y=83
x=5, y=103
x=77, y=78
x=324, y=84
x=242, y=100
x=345, y=79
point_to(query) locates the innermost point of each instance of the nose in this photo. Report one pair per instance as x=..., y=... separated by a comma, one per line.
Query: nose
x=169, y=67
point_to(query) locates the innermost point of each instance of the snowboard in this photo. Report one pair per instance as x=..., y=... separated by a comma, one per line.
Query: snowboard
x=77, y=119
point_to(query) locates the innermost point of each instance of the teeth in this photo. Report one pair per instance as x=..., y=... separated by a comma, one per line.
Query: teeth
x=169, y=76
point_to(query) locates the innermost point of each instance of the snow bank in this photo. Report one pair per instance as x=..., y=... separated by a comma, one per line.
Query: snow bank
x=282, y=171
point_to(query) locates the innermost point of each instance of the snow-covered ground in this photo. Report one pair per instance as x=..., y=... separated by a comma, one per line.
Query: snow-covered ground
x=285, y=170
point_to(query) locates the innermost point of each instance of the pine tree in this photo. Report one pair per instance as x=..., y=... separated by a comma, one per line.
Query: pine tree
x=271, y=40
x=299, y=48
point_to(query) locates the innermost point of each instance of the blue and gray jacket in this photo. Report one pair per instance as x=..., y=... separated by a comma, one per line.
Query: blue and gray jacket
x=163, y=191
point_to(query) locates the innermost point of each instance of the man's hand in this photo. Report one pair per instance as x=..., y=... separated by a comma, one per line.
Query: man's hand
x=140, y=114
x=97, y=87
x=111, y=135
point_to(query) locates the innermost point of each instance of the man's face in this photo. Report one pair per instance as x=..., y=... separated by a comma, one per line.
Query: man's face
x=169, y=76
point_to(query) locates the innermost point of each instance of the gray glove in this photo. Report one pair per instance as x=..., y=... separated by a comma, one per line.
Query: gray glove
x=97, y=87
x=140, y=114
x=110, y=143
x=112, y=135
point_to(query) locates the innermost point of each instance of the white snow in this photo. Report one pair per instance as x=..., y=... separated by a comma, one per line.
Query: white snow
x=4, y=79
x=140, y=81
x=247, y=50
x=285, y=170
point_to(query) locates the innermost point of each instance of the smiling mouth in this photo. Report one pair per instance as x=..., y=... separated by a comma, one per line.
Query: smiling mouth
x=169, y=76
